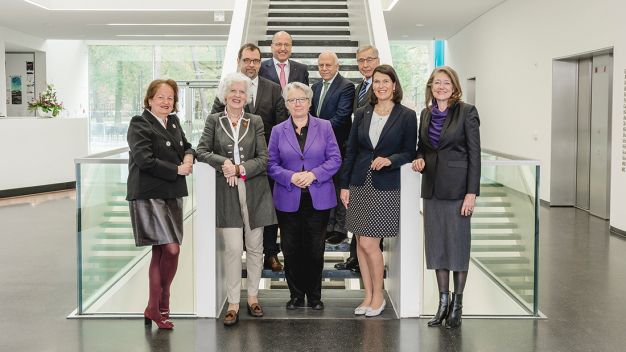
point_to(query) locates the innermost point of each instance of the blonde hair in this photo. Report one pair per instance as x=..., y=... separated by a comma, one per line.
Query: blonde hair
x=456, y=95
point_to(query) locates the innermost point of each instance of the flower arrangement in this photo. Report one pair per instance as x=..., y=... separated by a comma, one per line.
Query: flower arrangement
x=47, y=102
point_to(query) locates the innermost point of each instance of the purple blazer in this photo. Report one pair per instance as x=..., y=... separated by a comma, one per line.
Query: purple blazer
x=321, y=156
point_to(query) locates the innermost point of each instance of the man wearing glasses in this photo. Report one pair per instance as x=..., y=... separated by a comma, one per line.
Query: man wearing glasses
x=267, y=102
x=367, y=59
x=280, y=69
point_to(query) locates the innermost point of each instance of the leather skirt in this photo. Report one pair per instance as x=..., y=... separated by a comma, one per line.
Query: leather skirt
x=157, y=221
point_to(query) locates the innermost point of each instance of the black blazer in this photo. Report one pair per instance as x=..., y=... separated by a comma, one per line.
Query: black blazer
x=297, y=72
x=154, y=156
x=336, y=107
x=452, y=169
x=397, y=143
x=269, y=104
x=366, y=98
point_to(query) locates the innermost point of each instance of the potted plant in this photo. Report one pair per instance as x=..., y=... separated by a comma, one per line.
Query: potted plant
x=47, y=104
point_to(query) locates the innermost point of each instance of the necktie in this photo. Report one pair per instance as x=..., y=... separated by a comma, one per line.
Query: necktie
x=363, y=90
x=283, y=80
x=319, y=104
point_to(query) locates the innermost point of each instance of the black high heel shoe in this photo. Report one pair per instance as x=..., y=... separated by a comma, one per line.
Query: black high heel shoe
x=442, y=310
x=456, y=312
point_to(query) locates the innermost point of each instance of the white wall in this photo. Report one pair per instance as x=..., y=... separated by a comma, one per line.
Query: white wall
x=510, y=51
x=3, y=80
x=67, y=69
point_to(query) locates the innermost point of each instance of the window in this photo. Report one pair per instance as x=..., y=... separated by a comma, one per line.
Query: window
x=411, y=65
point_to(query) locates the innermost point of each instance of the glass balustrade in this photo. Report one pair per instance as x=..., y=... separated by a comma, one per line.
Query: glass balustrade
x=502, y=278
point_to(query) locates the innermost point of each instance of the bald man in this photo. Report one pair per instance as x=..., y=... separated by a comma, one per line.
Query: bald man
x=280, y=69
x=333, y=99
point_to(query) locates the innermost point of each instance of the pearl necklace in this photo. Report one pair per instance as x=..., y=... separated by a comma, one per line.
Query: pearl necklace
x=382, y=112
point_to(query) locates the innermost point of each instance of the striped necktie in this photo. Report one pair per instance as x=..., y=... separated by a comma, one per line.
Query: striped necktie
x=363, y=90
x=319, y=104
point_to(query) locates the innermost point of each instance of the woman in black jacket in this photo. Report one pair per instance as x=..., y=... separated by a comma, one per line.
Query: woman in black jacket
x=448, y=156
x=160, y=157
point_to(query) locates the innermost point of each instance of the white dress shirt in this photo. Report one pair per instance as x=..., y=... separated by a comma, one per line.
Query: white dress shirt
x=255, y=89
x=376, y=127
x=160, y=121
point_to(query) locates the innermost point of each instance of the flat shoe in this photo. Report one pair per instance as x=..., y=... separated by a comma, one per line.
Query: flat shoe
x=231, y=317
x=361, y=310
x=373, y=313
x=255, y=310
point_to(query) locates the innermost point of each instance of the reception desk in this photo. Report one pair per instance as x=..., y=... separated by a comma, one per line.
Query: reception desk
x=38, y=154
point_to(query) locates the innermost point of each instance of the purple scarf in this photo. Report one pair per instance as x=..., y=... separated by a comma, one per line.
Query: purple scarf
x=436, y=123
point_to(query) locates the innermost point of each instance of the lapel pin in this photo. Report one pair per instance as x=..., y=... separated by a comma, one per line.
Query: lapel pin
x=168, y=143
x=174, y=126
x=245, y=124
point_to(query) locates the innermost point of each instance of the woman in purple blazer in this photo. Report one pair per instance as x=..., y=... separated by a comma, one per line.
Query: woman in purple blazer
x=304, y=156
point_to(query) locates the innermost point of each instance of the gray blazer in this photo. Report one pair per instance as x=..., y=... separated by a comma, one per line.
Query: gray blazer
x=216, y=145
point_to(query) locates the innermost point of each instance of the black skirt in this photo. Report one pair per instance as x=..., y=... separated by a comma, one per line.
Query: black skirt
x=157, y=221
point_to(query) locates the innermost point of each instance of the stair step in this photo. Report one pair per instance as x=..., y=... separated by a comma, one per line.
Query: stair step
x=325, y=15
x=521, y=285
x=308, y=7
x=503, y=260
x=513, y=272
x=527, y=298
x=492, y=214
x=493, y=194
x=502, y=237
x=498, y=248
x=119, y=193
x=505, y=225
x=313, y=80
x=118, y=203
x=329, y=272
x=110, y=247
x=491, y=185
x=342, y=68
x=313, y=32
x=111, y=260
x=311, y=24
x=493, y=204
x=114, y=235
x=311, y=55
x=100, y=271
x=300, y=43
x=117, y=225
x=344, y=247
x=109, y=214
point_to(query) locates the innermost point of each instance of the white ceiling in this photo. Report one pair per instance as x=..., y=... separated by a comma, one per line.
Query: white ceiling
x=440, y=19
x=92, y=25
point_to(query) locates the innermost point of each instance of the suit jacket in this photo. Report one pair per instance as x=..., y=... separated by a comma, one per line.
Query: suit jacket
x=297, y=72
x=216, y=145
x=155, y=153
x=336, y=107
x=397, y=143
x=269, y=104
x=453, y=168
x=320, y=156
x=366, y=98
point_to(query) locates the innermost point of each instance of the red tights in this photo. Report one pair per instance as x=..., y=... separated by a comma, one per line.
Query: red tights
x=162, y=270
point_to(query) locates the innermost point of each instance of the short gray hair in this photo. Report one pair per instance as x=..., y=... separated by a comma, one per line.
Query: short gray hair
x=228, y=81
x=363, y=48
x=329, y=52
x=297, y=85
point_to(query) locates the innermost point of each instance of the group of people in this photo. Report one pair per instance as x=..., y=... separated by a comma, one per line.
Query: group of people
x=291, y=156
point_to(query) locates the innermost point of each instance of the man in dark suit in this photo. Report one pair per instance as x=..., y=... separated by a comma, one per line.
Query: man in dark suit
x=280, y=69
x=367, y=59
x=333, y=99
x=267, y=102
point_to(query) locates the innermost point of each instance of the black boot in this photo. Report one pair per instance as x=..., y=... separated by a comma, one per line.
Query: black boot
x=442, y=311
x=456, y=310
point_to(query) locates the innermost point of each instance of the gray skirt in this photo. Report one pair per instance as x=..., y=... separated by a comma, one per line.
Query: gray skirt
x=373, y=212
x=157, y=221
x=447, y=235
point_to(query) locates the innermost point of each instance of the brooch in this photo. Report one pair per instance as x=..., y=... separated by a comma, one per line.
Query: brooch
x=245, y=124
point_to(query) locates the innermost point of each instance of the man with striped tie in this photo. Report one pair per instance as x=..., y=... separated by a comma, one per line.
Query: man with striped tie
x=367, y=59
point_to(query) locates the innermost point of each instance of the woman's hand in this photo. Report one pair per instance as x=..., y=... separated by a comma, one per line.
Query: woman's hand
x=232, y=180
x=303, y=179
x=188, y=159
x=185, y=169
x=229, y=169
x=345, y=197
x=418, y=165
x=468, y=204
x=380, y=162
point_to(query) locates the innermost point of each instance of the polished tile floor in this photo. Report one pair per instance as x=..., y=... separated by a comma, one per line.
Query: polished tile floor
x=582, y=290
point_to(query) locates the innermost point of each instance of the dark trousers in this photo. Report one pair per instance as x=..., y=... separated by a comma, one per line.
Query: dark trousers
x=337, y=219
x=270, y=234
x=302, y=235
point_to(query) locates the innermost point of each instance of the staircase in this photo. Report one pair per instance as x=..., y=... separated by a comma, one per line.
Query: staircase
x=497, y=242
x=315, y=26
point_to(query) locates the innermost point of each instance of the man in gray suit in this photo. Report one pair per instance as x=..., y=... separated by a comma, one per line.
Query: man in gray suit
x=267, y=102
x=367, y=59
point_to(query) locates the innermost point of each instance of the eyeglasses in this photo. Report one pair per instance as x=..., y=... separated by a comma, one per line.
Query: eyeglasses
x=298, y=100
x=369, y=60
x=248, y=61
x=286, y=45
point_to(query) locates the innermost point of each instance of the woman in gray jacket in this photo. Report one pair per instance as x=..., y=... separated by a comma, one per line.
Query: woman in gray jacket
x=233, y=142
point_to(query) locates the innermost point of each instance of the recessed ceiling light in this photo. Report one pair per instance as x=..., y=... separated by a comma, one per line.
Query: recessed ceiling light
x=172, y=35
x=34, y=2
x=420, y=25
x=161, y=24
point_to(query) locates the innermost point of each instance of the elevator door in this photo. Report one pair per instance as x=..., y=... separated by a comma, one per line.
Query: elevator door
x=583, y=146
